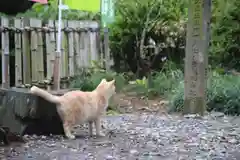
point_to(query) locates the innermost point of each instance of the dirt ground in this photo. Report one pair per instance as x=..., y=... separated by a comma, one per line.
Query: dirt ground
x=144, y=132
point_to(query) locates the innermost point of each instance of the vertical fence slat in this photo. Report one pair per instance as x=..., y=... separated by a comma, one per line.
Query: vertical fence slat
x=34, y=51
x=37, y=50
x=26, y=52
x=5, y=53
x=81, y=44
x=65, y=62
x=71, y=25
x=50, y=48
x=93, y=40
x=77, y=53
x=40, y=51
x=86, y=55
x=18, y=53
x=63, y=59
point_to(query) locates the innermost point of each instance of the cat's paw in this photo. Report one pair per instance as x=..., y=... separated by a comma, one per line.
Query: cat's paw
x=71, y=136
x=101, y=134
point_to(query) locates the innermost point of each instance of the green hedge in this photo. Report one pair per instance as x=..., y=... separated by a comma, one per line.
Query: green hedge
x=222, y=94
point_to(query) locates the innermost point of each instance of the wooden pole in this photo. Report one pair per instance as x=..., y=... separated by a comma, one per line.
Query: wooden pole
x=56, y=73
x=197, y=44
x=5, y=53
x=106, y=48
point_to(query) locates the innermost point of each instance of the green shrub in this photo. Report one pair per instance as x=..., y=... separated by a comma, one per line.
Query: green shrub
x=159, y=83
x=225, y=27
x=88, y=79
x=222, y=95
x=162, y=21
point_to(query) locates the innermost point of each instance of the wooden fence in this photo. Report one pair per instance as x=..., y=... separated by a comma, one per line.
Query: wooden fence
x=32, y=43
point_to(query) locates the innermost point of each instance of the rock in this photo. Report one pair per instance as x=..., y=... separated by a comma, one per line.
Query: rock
x=24, y=113
x=233, y=141
x=217, y=114
x=191, y=116
x=134, y=152
x=109, y=157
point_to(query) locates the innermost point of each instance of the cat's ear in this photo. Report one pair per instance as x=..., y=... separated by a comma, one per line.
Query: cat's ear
x=112, y=82
x=103, y=81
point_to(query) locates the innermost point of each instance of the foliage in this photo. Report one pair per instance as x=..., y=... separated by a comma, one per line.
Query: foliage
x=222, y=94
x=136, y=20
x=163, y=82
x=88, y=79
x=165, y=23
x=225, y=43
x=50, y=11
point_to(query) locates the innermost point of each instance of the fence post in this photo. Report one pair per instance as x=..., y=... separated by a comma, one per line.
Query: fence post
x=71, y=25
x=26, y=52
x=5, y=52
x=93, y=26
x=34, y=51
x=77, y=46
x=18, y=52
x=86, y=45
x=50, y=48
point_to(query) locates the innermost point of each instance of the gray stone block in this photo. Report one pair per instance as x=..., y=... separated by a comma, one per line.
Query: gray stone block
x=24, y=113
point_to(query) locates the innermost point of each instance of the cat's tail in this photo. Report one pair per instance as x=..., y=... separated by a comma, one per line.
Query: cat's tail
x=44, y=94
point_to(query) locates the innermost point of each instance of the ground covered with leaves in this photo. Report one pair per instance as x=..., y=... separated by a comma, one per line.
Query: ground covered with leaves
x=140, y=136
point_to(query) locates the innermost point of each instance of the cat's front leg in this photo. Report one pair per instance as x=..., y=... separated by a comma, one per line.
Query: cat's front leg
x=97, y=123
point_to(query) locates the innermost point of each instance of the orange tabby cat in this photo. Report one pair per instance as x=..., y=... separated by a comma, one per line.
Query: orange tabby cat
x=78, y=107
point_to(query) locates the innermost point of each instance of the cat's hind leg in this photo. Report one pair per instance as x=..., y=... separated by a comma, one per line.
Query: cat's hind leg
x=67, y=131
x=90, y=126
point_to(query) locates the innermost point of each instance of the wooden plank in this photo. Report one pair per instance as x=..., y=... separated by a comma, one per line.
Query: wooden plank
x=71, y=25
x=196, y=56
x=18, y=53
x=40, y=51
x=93, y=40
x=34, y=51
x=65, y=72
x=106, y=49
x=50, y=48
x=26, y=52
x=100, y=47
x=82, y=45
x=86, y=49
x=63, y=55
x=77, y=52
x=5, y=53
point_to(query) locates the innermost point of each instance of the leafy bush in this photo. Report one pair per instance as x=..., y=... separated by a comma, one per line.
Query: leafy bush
x=137, y=21
x=222, y=94
x=88, y=79
x=161, y=84
x=225, y=42
x=50, y=11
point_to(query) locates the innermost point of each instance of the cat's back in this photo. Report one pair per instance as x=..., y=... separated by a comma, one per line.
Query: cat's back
x=80, y=96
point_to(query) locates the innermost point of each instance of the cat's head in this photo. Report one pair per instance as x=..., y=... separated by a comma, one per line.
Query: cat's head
x=107, y=87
